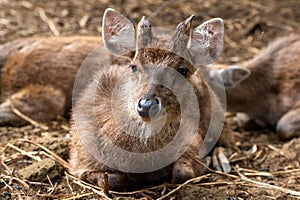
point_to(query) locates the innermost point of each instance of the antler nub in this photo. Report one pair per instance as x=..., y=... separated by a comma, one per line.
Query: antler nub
x=182, y=35
x=144, y=33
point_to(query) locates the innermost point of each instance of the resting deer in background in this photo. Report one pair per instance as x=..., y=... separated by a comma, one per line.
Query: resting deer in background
x=267, y=87
x=37, y=75
x=140, y=107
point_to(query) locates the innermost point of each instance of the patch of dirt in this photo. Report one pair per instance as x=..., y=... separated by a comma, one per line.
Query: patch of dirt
x=264, y=168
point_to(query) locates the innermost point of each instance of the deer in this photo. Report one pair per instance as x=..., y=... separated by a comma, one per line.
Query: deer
x=267, y=87
x=128, y=113
x=37, y=75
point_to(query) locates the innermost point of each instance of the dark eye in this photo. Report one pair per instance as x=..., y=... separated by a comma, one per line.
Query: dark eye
x=133, y=68
x=183, y=71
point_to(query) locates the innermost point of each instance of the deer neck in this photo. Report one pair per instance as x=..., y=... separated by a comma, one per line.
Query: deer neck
x=254, y=90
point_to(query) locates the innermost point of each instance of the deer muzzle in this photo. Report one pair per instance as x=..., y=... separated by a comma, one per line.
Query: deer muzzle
x=148, y=108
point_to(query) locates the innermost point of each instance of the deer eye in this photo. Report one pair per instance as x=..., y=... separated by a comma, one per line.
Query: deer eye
x=183, y=71
x=134, y=68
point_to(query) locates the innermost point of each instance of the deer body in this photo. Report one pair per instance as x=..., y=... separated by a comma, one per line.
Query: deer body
x=267, y=87
x=133, y=109
x=37, y=75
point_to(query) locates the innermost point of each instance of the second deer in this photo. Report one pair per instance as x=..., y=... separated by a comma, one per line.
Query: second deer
x=267, y=87
x=37, y=75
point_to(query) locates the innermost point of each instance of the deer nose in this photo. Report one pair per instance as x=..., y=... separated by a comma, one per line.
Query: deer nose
x=148, y=108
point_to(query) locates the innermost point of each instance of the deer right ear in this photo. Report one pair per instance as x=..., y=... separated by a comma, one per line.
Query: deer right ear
x=234, y=75
x=207, y=41
x=118, y=33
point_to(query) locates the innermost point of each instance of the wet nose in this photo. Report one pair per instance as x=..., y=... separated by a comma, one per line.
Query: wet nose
x=148, y=108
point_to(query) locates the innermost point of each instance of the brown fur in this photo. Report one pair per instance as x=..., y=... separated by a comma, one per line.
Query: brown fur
x=82, y=160
x=37, y=101
x=101, y=113
x=271, y=93
x=50, y=64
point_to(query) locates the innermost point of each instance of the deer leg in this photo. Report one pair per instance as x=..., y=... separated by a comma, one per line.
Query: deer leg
x=189, y=164
x=183, y=170
x=7, y=117
x=119, y=181
x=40, y=103
x=289, y=124
x=116, y=181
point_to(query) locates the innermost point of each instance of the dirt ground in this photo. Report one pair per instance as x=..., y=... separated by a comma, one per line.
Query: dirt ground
x=264, y=167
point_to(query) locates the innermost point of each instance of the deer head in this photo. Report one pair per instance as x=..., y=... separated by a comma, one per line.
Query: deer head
x=161, y=66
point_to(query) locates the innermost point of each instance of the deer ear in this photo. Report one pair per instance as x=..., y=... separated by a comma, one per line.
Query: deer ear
x=234, y=75
x=207, y=41
x=118, y=33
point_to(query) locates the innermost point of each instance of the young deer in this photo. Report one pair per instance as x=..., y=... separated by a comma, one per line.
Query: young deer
x=267, y=87
x=37, y=75
x=139, y=108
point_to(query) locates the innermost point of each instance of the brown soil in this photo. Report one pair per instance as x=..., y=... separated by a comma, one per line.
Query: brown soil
x=270, y=171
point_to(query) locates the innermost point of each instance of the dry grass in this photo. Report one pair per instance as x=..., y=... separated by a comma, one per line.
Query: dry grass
x=269, y=171
x=63, y=185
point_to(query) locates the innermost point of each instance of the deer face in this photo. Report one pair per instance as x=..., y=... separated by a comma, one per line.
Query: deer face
x=158, y=83
x=161, y=68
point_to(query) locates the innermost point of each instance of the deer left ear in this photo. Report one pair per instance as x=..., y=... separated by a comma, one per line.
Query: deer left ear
x=207, y=41
x=118, y=33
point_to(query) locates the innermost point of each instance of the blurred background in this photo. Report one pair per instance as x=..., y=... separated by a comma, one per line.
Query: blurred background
x=249, y=25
